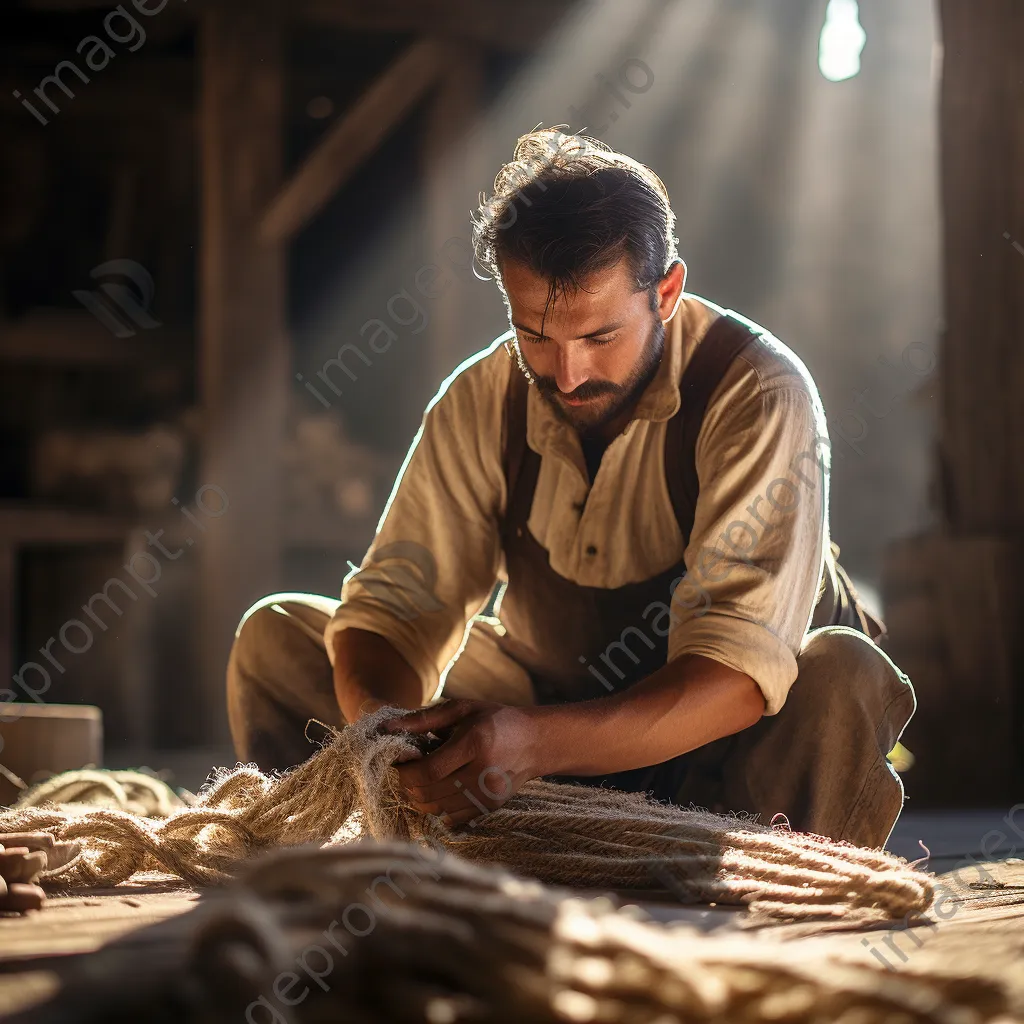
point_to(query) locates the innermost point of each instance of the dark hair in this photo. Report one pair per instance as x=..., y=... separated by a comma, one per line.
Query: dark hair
x=567, y=206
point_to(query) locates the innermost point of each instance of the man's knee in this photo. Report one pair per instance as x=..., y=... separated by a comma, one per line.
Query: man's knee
x=279, y=676
x=266, y=634
x=840, y=670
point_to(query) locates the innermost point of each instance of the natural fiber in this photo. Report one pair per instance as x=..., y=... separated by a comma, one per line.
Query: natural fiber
x=132, y=791
x=371, y=933
x=562, y=834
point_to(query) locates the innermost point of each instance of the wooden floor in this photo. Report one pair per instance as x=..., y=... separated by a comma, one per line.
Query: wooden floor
x=979, y=857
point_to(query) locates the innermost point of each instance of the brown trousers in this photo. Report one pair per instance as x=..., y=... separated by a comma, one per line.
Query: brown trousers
x=821, y=761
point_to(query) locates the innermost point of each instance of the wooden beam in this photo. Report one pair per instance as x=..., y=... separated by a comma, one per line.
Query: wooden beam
x=353, y=137
x=62, y=337
x=499, y=24
x=245, y=358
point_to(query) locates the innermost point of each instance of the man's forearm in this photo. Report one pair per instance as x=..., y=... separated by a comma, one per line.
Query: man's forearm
x=689, y=702
x=370, y=673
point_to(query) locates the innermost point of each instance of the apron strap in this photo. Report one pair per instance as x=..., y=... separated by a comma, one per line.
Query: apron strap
x=520, y=462
x=725, y=340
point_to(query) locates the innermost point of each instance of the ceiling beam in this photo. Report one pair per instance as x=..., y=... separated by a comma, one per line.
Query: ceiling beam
x=500, y=24
x=65, y=5
x=351, y=139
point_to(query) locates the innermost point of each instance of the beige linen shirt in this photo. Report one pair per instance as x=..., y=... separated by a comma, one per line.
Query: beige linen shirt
x=756, y=553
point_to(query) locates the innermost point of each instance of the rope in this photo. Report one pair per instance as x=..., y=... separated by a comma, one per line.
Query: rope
x=132, y=791
x=560, y=834
x=373, y=932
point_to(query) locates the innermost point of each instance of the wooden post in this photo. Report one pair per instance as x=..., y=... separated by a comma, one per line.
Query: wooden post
x=244, y=357
x=982, y=131
x=452, y=184
x=982, y=114
x=955, y=597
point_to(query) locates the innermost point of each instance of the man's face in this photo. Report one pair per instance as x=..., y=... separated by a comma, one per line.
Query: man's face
x=599, y=349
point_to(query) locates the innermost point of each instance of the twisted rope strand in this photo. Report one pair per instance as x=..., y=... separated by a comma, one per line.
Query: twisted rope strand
x=564, y=834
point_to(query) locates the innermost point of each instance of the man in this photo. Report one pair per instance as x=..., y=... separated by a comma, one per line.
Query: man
x=647, y=476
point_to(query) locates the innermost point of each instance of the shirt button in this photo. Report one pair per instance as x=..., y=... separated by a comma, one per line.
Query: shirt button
x=591, y=550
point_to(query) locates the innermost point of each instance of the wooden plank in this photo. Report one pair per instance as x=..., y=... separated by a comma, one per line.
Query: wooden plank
x=348, y=142
x=244, y=360
x=495, y=23
x=82, y=923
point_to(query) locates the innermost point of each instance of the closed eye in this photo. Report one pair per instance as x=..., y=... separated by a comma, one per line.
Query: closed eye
x=535, y=339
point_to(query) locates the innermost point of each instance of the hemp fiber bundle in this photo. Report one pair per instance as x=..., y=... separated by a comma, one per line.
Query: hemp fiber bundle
x=561, y=834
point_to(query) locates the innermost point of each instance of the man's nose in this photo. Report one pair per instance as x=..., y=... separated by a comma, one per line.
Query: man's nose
x=571, y=369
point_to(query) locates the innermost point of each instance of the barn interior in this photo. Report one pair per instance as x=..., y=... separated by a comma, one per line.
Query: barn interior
x=208, y=206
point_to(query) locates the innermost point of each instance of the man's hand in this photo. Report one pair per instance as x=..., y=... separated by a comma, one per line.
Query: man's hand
x=489, y=751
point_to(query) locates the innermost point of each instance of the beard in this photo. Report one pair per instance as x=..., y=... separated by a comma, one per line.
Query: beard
x=609, y=399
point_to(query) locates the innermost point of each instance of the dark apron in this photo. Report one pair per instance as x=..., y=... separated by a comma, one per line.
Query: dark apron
x=558, y=630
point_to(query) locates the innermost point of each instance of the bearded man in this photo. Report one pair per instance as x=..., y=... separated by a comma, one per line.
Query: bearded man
x=606, y=558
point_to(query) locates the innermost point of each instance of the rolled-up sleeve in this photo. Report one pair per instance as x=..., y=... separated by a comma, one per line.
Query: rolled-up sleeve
x=436, y=554
x=755, y=554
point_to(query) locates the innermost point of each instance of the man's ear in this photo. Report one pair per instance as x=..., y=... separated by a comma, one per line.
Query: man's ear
x=670, y=290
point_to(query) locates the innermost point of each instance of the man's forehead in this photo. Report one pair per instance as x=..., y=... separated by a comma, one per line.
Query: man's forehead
x=530, y=297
